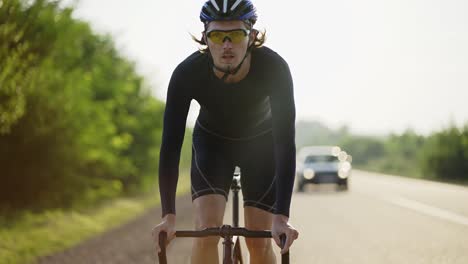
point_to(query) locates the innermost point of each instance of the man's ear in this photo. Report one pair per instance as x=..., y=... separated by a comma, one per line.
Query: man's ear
x=252, y=36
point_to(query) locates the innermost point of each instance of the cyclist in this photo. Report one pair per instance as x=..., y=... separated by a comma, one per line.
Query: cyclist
x=246, y=119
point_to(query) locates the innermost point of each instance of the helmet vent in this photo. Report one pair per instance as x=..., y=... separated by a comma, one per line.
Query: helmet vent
x=227, y=10
x=235, y=5
x=225, y=7
x=215, y=4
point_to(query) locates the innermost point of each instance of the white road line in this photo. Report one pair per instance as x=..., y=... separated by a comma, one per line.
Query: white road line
x=428, y=210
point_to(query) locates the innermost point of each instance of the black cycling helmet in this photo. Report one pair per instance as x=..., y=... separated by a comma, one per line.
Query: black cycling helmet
x=228, y=10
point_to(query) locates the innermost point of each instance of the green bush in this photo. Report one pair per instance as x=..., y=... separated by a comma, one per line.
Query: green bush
x=446, y=154
x=77, y=123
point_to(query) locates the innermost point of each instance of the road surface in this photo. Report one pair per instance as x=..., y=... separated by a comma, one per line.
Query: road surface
x=381, y=219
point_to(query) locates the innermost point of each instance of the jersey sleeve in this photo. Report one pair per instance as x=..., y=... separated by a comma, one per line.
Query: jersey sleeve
x=283, y=118
x=175, y=116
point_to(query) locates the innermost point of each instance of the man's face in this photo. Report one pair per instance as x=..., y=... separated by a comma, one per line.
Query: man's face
x=227, y=50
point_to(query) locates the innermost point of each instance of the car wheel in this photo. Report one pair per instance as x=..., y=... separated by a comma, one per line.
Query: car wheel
x=343, y=186
x=300, y=187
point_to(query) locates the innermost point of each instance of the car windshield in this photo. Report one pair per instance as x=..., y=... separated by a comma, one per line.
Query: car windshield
x=324, y=158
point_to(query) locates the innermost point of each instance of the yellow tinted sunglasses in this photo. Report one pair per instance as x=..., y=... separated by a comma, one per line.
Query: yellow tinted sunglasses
x=235, y=36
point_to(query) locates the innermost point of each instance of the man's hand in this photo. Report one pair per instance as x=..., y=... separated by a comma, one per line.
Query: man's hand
x=167, y=225
x=281, y=226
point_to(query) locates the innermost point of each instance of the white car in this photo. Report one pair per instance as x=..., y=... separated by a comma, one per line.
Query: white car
x=323, y=164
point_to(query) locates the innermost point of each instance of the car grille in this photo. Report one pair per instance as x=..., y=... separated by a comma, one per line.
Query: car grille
x=326, y=177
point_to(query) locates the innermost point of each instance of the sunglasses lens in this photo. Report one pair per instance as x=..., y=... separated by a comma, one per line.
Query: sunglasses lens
x=217, y=36
x=235, y=36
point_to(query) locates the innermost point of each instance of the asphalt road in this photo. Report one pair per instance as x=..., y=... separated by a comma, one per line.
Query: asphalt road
x=381, y=219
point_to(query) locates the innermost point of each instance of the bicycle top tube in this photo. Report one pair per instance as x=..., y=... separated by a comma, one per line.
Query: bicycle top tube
x=224, y=231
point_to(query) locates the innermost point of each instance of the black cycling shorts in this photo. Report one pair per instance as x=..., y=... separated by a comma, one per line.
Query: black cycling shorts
x=215, y=157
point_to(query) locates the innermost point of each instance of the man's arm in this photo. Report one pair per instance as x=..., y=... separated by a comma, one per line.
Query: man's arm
x=175, y=116
x=283, y=116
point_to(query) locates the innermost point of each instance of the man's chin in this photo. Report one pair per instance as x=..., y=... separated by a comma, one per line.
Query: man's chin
x=225, y=66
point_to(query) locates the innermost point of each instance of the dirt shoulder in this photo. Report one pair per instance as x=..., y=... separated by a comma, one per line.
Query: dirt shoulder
x=129, y=243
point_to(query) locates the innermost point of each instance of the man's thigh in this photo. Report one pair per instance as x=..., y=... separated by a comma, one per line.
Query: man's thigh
x=258, y=174
x=257, y=219
x=209, y=211
x=212, y=167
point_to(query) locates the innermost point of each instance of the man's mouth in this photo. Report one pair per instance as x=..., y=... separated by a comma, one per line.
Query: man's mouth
x=228, y=56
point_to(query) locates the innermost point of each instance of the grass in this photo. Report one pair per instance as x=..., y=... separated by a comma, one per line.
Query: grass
x=35, y=235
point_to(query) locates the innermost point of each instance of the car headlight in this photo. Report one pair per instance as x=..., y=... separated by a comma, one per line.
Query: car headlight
x=344, y=170
x=342, y=174
x=345, y=166
x=309, y=174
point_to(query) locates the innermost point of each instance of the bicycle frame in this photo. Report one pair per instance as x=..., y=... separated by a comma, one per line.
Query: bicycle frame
x=230, y=234
x=235, y=188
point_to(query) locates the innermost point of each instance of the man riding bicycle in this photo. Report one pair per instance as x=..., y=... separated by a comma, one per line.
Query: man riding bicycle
x=246, y=119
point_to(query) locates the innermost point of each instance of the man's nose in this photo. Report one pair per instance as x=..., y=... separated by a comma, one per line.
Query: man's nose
x=227, y=43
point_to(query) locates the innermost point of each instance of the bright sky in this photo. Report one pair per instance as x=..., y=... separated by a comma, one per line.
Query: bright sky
x=378, y=66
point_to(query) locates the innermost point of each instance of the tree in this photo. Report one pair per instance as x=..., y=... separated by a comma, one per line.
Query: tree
x=446, y=154
x=78, y=123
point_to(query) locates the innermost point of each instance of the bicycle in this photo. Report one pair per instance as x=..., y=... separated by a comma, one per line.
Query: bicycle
x=230, y=234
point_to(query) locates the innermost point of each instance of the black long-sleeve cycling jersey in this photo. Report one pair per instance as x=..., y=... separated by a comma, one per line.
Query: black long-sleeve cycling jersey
x=260, y=102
